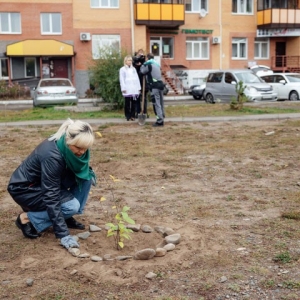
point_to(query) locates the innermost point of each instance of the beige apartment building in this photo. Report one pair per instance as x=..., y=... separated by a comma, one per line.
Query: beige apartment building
x=61, y=38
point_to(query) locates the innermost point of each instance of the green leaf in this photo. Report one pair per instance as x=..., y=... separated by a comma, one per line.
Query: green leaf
x=110, y=233
x=125, y=208
x=127, y=219
x=121, y=244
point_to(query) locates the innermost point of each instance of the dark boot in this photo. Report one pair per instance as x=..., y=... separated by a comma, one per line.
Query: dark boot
x=72, y=223
x=27, y=229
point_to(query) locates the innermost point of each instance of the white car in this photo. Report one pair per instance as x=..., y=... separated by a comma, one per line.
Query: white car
x=261, y=70
x=286, y=85
x=51, y=91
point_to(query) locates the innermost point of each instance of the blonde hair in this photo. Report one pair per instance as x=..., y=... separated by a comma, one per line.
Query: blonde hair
x=126, y=58
x=78, y=133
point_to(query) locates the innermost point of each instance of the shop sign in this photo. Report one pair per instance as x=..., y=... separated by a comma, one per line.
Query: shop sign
x=197, y=31
x=278, y=32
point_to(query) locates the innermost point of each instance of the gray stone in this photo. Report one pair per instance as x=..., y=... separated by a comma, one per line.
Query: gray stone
x=169, y=247
x=173, y=238
x=84, y=255
x=145, y=254
x=134, y=227
x=124, y=257
x=96, y=258
x=147, y=229
x=74, y=251
x=150, y=275
x=94, y=228
x=29, y=282
x=160, y=252
x=84, y=235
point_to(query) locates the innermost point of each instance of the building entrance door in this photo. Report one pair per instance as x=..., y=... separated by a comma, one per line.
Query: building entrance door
x=58, y=68
x=156, y=48
x=280, y=54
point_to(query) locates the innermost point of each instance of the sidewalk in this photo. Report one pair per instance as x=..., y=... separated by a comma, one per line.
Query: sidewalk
x=92, y=104
x=167, y=120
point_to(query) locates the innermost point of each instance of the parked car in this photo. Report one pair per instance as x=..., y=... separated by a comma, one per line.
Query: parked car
x=261, y=70
x=197, y=90
x=51, y=91
x=222, y=85
x=287, y=85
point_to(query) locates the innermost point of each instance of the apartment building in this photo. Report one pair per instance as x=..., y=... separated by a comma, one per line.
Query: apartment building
x=61, y=38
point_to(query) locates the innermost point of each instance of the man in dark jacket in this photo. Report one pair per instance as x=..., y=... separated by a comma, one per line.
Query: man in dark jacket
x=52, y=184
x=151, y=69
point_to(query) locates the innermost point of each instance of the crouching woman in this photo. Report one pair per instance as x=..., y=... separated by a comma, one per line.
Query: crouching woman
x=52, y=184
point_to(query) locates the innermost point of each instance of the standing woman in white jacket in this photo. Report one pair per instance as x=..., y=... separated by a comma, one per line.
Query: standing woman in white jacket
x=130, y=87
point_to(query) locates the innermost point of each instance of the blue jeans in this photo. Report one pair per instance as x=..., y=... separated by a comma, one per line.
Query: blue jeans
x=40, y=219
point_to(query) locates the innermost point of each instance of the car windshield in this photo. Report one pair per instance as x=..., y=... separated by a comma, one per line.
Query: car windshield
x=293, y=78
x=248, y=77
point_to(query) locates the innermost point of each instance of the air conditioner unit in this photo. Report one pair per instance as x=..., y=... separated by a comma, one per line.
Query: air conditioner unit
x=84, y=36
x=202, y=13
x=216, y=40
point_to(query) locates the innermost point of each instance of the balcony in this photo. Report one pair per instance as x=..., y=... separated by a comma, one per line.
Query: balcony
x=159, y=13
x=278, y=18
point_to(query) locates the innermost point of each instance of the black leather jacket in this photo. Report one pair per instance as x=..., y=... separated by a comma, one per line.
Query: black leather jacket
x=39, y=184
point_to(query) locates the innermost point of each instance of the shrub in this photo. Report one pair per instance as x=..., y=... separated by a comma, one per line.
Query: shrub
x=13, y=91
x=104, y=75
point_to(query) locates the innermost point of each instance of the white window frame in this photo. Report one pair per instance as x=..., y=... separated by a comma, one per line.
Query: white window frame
x=25, y=67
x=241, y=45
x=195, y=44
x=196, y=6
x=259, y=45
x=104, y=40
x=1, y=62
x=105, y=3
x=9, y=20
x=49, y=18
x=241, y=7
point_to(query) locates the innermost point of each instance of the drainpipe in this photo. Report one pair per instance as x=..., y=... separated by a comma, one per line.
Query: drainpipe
x=221, y=34
x=132, y=25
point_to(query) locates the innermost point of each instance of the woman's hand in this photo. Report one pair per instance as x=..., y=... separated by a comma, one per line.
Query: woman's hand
x=69, y=242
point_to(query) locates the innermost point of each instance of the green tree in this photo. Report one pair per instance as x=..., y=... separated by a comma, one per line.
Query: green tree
x=104, y=75
x=237, y=102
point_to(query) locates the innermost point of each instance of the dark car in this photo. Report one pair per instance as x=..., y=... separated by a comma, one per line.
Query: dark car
x=197, y=90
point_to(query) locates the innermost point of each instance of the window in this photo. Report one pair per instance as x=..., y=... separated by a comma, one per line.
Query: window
x=104, y=3
x=229, y=78
x=30, y=67
x=3, y=68
x=51, y=23
x=10, y=23
x=239, y=48
x=242, y=6
x=261, y=48
x=215, y=77
x=197, y=48
x=195, y=5
x=104, y=41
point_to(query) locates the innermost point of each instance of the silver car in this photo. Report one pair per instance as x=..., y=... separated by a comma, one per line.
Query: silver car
x=222, y=85
x=287, y=85
x=51, y=91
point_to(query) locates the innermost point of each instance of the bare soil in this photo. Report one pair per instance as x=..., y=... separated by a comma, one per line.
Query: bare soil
x=223, y=186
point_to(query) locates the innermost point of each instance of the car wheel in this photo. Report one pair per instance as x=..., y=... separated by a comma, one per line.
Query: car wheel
x=293, y=96
x=197, y=97
x=34, y=103
x=209, y=98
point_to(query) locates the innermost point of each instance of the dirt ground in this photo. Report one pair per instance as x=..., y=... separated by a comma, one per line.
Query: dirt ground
x=231, y=190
